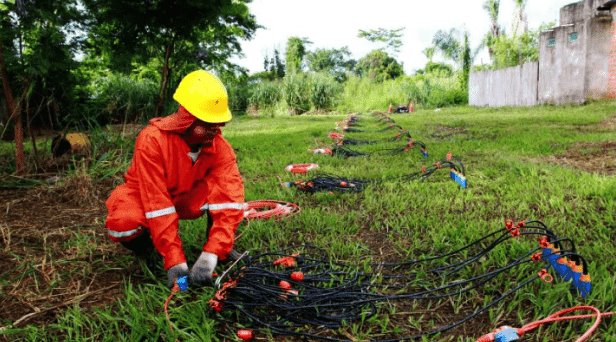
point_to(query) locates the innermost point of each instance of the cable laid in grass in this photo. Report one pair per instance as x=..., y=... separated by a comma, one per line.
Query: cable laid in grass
x=326, y=182
x=305, y=294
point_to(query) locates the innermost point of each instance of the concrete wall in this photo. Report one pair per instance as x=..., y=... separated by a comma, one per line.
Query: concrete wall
x=562, y=66
x=571, y=13
x=611, y=81
x=515, y=86
x=598, y=47
x=577, y=62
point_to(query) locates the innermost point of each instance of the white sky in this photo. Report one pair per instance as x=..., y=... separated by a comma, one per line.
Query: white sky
x=335, y=24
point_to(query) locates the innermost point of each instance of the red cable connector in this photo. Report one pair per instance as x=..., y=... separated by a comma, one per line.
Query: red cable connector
x=536, y=256
x=287, y=261
x=297, y=276
x=545, y=276
x=245, y=334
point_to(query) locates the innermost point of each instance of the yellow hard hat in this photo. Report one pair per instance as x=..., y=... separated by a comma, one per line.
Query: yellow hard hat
x=204, y=96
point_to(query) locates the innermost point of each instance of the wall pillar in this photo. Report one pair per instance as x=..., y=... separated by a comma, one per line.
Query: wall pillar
x=611, y=85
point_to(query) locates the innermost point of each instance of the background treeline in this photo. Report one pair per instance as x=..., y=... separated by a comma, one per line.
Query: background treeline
x=84, y=63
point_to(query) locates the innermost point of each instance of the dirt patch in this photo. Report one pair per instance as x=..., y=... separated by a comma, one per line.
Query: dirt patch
x=54, y=252
x=596, y=157
x=445, y=132
x=609, y=123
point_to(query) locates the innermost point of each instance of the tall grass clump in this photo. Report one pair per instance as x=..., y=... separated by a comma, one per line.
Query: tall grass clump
x=429, y=90
x=239, y=97
x=264, y=95
x=324, y=91
x=297, y=93
x=120, y=98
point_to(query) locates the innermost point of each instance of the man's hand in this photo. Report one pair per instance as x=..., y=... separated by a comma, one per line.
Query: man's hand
x=201, y=272
x=175, y=272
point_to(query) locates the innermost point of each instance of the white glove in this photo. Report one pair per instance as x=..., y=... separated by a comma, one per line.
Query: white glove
x=201, y=272
x=175, y=272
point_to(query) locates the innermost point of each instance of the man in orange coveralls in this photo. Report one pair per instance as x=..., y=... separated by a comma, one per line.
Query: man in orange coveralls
x=181, y=167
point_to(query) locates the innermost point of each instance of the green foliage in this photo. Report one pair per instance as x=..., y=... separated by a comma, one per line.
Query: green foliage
x=324, y=91
x=120, y=98
x=296, y=50
x=265, y=95
x=449, y=44
x=466, y=62
x=297, y=92
x=454, y=45
x=390, y=38
x=441, y=69
x=429, y=90
x=510, y=51
x=274, y=66
x=134, y=31
x=38, y=42
x=181, y=35
x=379, y=66
x=239, y=94
x=336, y=62
x=493, y=9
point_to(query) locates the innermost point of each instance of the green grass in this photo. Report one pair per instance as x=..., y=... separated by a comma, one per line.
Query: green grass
x=502, y=150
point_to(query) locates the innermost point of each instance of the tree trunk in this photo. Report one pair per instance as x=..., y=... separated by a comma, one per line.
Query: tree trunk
x=14, y=112
x=164, y=81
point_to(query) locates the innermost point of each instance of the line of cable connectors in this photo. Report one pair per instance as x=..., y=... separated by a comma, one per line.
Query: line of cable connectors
x=305, y=294
x=326, y=182
x=339, y=140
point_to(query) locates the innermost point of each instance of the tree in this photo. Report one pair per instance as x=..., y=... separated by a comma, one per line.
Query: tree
x=379, y=66
x=514, y=50
x=37, y=45
x=391, y=38
x=296, y=50
x=277, y=66
x=13, y=112
x=335, y=62
x=429, y=53
x=493, y=8
x=455, y=46
x=182, y=34
x=520, y=22
x=448, y=44
x=466, y=61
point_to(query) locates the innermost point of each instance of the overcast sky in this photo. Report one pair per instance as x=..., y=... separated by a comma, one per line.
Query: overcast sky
x=335, y=24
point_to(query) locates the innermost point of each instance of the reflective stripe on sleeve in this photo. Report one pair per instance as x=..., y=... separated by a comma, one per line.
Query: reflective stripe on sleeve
x=159, y=212
x=117, y=234
x=223, y=206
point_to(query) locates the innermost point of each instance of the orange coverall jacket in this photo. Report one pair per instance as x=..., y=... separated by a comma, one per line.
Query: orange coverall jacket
x=162, y=185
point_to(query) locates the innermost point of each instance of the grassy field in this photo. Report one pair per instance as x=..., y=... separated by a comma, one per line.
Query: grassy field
x=554, y=164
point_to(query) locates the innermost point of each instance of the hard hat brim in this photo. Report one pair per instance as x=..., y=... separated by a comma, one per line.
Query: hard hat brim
x=213, y=118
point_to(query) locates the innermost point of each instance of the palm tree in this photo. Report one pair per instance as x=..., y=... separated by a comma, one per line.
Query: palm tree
x=454, y=45
x=429, y=53
x=520, y=21
x=492, y=7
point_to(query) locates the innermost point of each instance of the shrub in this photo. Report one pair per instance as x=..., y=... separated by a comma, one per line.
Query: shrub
x=264, y=95
x=238, y=97
x=428, y=90
x=324, y=90
x=297, y=93
x=120, y=98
